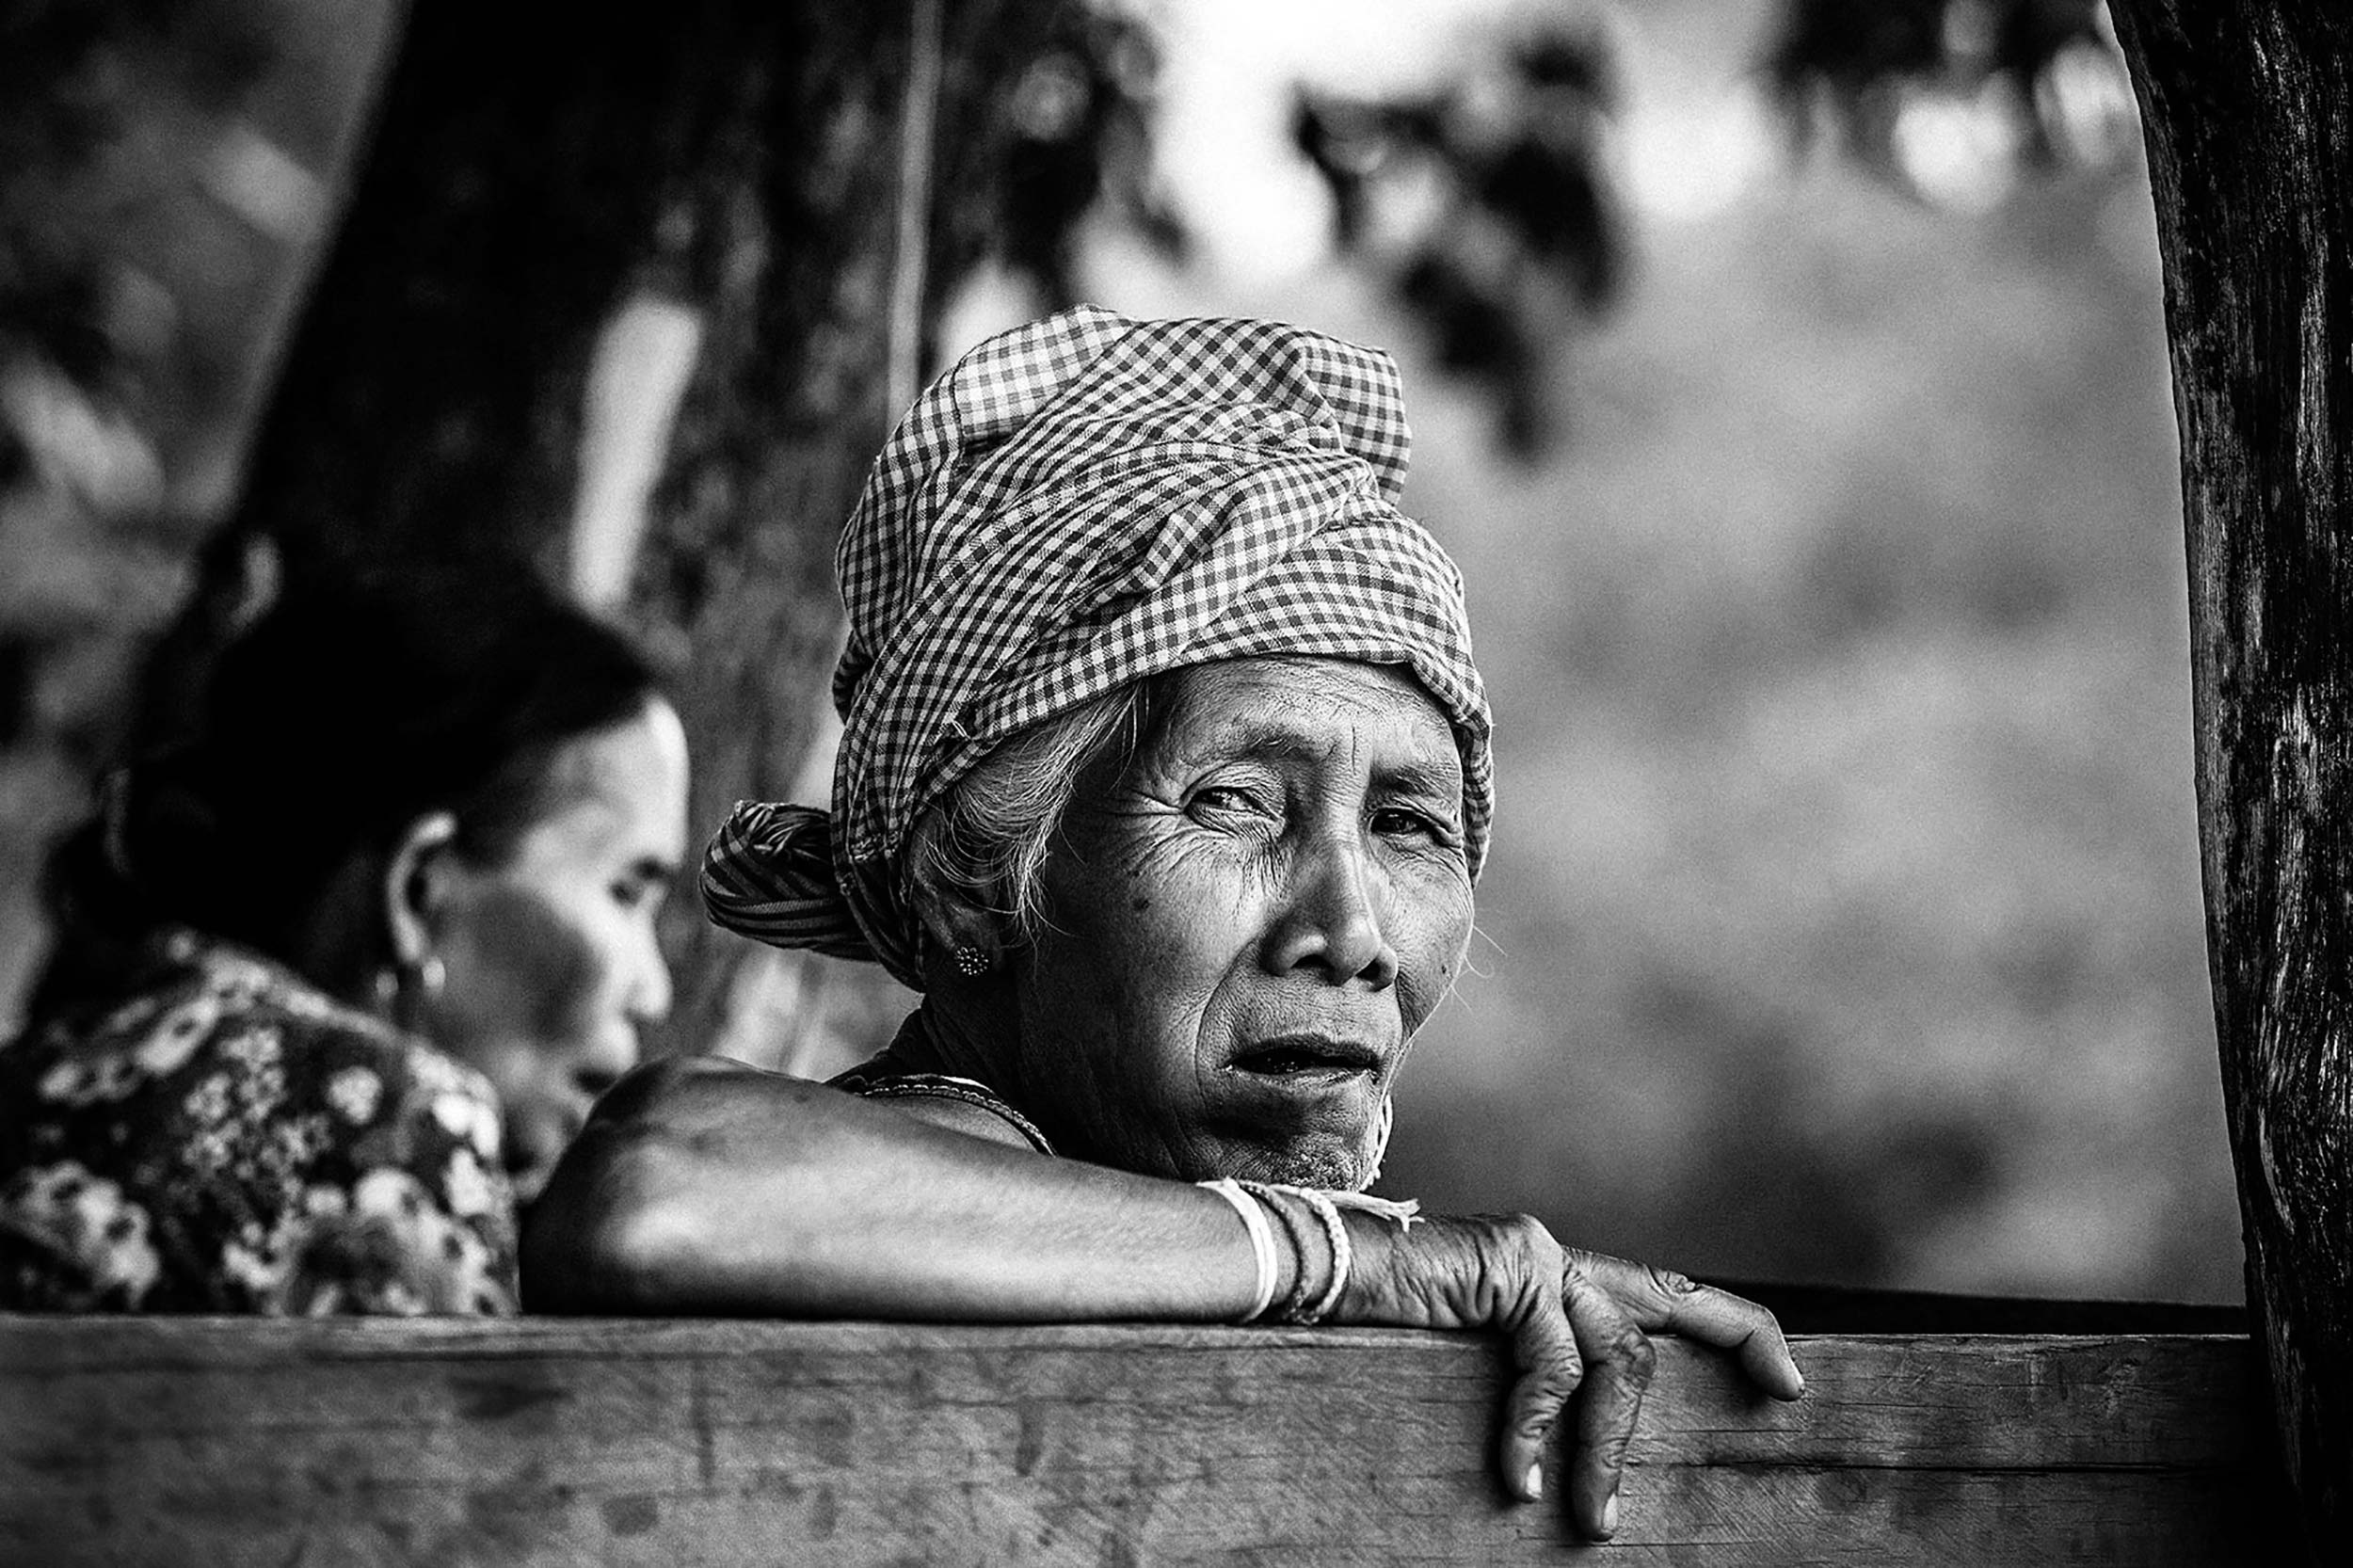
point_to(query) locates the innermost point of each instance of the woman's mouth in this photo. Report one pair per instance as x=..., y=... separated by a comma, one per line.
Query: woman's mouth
x=1306, y=1058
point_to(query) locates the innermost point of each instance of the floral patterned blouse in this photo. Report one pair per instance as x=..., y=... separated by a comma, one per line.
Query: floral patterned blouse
x=230, y=1139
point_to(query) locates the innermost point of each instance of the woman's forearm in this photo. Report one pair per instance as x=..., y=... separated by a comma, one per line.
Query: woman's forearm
x=707, y=1186
x=710, y=1187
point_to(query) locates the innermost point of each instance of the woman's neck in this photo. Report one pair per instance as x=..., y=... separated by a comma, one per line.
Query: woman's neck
x=943, y=1040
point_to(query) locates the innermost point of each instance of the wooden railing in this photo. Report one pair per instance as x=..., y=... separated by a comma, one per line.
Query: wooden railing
x=187, y=1442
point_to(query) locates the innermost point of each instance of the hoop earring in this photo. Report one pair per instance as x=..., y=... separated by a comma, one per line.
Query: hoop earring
x=400, y=988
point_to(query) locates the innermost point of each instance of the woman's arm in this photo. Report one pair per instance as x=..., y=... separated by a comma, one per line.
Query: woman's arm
x=705, y=1185
x=701, y=1185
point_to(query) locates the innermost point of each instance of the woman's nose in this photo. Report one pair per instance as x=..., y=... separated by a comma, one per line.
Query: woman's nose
x=645, y=999
x=650, y=988
x=607, y=1057
x=1333, y=920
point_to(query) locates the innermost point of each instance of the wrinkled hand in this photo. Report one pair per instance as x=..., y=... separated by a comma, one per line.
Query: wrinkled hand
x=1575, y=1317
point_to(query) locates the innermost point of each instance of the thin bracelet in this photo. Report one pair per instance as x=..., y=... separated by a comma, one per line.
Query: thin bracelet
x=1334, y=1231
x=1261, y=1241
x=1293, y=1306
x=1343, y=1254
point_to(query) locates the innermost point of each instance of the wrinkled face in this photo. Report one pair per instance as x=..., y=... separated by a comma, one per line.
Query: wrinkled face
x=1248, y=926
x=550, y=958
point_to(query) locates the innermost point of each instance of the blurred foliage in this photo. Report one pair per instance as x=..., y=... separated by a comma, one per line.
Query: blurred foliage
x=1936, y=94
x=1485, y=206
x=156, y=185
x=1078, y=139
x=1481, y=206
x=94, y=94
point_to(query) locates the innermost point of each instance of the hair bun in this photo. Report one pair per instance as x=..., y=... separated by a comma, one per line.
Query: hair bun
x=769, y=875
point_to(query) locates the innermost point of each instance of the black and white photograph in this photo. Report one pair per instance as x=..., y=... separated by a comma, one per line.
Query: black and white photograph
x=1176, y=781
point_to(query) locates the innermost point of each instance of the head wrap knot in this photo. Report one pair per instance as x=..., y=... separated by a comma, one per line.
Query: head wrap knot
x=1079, y=505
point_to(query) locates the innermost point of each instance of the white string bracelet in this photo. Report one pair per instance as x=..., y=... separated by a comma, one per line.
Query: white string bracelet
x=1261, y=1243
x=1302, y=1235
x=1326, y=1207
x=1401, y=1212
x=1343, y=1255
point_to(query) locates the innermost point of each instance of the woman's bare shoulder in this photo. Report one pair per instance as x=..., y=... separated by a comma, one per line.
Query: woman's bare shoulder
x=698, y=1088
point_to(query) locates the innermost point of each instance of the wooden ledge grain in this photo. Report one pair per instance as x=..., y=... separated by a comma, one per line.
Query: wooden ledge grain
x=190, y=1441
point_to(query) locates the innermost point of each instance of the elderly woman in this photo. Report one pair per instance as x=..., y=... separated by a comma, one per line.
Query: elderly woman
x=340, y=977
x=1165, y=779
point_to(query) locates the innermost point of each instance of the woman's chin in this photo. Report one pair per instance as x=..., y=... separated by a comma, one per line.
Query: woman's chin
x=1311, y=1162
x=532, y=1148
x=530, y=1181
x=1310, y=1130
x=1337, y=1156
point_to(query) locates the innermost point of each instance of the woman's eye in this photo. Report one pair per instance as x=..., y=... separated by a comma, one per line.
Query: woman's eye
x=1225, y=800
x=1398, y=823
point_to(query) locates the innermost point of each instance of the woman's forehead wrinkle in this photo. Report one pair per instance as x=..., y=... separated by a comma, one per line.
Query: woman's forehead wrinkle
x=1439, y=776
x=1258, y=736
x=1310, y=713
x=1212, y=721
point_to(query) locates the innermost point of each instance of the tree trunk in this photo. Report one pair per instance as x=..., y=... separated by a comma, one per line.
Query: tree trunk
x=2247, y=111
x=536, y=169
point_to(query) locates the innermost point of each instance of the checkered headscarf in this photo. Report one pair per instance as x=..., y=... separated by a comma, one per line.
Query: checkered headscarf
x=1081, y=503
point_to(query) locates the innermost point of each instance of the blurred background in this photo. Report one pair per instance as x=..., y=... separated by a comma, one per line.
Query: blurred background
x=1789, y=379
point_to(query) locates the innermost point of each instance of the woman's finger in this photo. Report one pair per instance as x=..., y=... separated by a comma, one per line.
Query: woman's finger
x=1619, y=1362
x=1550, y=1369
x=1662, y=1300
x=1496, y=1271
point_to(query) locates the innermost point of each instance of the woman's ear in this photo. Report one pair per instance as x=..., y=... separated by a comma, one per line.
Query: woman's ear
x=955, y=920
x=415, y=886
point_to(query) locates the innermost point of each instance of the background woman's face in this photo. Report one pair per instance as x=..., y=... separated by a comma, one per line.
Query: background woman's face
x=1246, y=928
x=553, y=966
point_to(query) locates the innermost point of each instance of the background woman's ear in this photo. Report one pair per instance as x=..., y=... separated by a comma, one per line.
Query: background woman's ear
x=415, y=886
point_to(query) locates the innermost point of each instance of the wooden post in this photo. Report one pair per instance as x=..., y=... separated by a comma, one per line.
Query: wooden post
x=2247, y=106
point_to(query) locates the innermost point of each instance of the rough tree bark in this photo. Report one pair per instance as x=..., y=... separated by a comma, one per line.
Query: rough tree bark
x=2247, y=111
x=533, y=168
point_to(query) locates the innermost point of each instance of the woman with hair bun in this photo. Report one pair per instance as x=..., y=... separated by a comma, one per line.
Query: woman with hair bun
x=338, y=980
